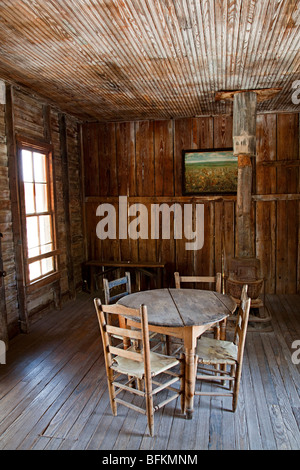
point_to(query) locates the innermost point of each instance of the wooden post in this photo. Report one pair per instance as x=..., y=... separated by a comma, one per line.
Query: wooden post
x=244, y=147
x=15, y=208
x=66, y=199
x=3, y=312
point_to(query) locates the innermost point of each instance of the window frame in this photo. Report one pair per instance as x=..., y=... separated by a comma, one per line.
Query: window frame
x=45, y=149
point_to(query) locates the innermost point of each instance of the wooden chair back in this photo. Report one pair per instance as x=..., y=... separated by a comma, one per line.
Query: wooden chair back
x=109, y=332
x=133, y=359
x=242, y=323
x=223, y=353
x=217, y=280
x=110, y=285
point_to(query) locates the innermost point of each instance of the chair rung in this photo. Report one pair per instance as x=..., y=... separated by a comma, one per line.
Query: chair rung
x=164, y=385
x=172, y=373
x=216, y=394
x=128, y=389
x=163, y=403
x=213, y=377
x=116, y=384
x=213, y=371
x=130, y=405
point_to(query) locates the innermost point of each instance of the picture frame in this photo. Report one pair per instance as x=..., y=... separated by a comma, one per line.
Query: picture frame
x=209, y=171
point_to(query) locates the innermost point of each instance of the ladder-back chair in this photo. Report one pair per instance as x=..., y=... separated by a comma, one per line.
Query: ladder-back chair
x=111, y=297
x=133, y=364
x=110, y=286
x=220, y=328
x=212, y=352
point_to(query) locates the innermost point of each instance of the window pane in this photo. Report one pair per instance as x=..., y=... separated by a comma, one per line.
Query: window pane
x=29, y=198
x=32, y=232
x=41, y=197
x=27, y=165
x=37, y=201
x=32, y=252
x=46, y=248
x=47, y=265
x=45, y=229
x=34, y=270
x=39, y=165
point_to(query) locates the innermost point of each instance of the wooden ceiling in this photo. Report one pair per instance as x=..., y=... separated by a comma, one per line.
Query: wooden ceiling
x=150, y=59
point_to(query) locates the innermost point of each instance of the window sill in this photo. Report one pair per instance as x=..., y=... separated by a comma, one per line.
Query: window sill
x=43, y=282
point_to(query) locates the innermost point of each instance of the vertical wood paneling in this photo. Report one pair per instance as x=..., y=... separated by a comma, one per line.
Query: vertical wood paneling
x=265, y=176
x=205, y=258
x=266, y=242
x=228, y=233
x=183, y=139
x=203, y=138
x=144, y=158
x=91, y=159
x=223, y=131
x=202, y=133
x=287, y=149
x=125, y=157
x=126, y=166
x=287, y=182
x=266, y=126
x=149, y=169
x=164, y=159
x=164, y=186
x=107, y=160
x=287, y=247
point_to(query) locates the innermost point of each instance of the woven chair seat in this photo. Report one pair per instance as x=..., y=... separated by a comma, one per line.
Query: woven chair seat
x=158, y=363
x=211, y=351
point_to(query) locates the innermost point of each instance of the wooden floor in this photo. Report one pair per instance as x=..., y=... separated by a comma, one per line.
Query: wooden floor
x=53, y=392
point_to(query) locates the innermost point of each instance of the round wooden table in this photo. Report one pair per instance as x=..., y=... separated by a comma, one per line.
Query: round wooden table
x=185, y=314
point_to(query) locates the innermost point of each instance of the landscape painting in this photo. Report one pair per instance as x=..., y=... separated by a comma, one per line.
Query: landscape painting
x=210, y=171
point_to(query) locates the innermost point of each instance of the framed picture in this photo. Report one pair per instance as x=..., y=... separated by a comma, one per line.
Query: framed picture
x=209, y=171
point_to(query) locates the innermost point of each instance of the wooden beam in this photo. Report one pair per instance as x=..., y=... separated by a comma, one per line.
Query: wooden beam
x=15, y=209
x=244, y=146
x=66, y=202
x=3, y=312
x=262, y=94
x=244, y=124
x=276, y=197
x=280, y=163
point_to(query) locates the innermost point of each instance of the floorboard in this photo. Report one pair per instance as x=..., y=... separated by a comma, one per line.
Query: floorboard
x=53, y=392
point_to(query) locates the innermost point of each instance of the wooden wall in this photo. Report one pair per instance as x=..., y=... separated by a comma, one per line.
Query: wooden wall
x=28, y=115
x=143, y=160
x=9, y=306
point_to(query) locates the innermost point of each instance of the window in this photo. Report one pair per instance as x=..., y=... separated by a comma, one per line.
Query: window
x=37, y=211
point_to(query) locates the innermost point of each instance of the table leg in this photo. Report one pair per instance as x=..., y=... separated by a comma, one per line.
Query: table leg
x=190, y=342
x=189, y=381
